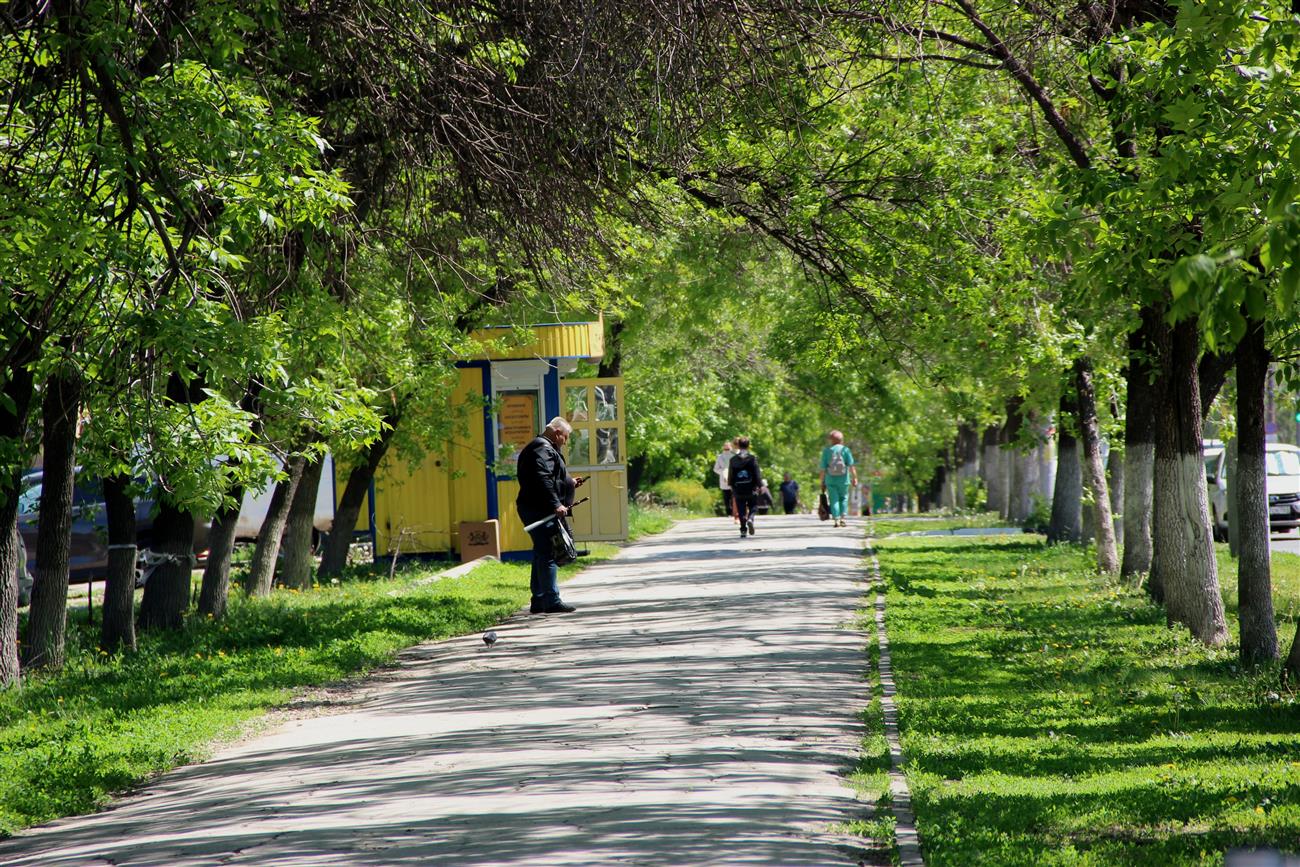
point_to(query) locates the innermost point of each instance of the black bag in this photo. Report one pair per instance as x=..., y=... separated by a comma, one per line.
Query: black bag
x=823, y=507
x=562, y=547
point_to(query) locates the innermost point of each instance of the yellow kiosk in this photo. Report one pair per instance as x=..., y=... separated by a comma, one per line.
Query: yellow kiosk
x=420, y=510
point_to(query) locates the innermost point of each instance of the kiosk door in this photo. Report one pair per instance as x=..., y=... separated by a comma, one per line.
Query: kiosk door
x=597, y=448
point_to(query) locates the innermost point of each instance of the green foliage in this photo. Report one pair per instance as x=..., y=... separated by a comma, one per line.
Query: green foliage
x=687, y=494
x=1051, y=718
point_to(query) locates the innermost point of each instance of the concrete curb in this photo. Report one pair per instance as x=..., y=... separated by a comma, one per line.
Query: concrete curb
x=458, y=571
x=909, y=843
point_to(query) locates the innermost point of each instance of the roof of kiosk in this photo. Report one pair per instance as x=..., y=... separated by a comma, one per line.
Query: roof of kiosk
x=553, y=340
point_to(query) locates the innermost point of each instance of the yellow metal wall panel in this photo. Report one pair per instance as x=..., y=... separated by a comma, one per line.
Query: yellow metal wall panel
x=513, y=537
x=411, y=508
x=466, y=454
x=577, y=340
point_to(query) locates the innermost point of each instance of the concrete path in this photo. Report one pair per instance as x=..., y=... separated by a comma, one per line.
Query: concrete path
x=699, y=709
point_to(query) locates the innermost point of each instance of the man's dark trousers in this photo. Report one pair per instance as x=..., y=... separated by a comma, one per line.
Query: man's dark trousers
x=745, y=506
x=545, y=580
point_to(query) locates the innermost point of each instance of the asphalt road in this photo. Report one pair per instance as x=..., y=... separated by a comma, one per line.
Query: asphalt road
x=700, y=708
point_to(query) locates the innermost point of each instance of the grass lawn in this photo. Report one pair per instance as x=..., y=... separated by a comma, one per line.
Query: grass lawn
x=1050, y=717
x=69, y=740
x=889, y=524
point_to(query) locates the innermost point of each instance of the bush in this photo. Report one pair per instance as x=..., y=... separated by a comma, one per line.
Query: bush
x=689, y=495
x=1040, y=514
x=977, y=498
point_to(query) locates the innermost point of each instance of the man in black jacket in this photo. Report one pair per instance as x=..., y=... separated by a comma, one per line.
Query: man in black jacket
x=544, y=489
x=745, y=479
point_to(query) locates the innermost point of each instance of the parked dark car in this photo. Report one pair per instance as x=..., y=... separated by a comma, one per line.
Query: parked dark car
x=88, y=557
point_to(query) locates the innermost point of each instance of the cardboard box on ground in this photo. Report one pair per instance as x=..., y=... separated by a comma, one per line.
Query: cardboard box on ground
x=479, y=539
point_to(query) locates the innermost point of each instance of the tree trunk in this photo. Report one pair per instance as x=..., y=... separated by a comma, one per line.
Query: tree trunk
x=18, y=391
x=1211, y=373
x=1115, y=482
x=168, y=575
x=1139, y=449
x=1024, y=481
x=1094, y=471
x=117, y=632
x=214, y=592
x=262, y=570
x=1067, y=494
x=169, y=571
x=1016, y=472
x=968, y=460
x=1184, y=573
x=1250, y=511
x=348, y=511
x=47, y=619
x=1291, y=669
x=991, y=469
x=1230, y=497
x=296, y=541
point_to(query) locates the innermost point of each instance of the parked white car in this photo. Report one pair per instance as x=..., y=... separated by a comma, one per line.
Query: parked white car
x=1282, y=462
x=256, y=503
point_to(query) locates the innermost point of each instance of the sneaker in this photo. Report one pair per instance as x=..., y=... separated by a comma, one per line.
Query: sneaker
x=751, y=528
x=559, y=608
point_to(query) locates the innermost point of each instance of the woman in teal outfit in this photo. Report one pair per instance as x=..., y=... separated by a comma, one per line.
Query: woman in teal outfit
x=838, y=472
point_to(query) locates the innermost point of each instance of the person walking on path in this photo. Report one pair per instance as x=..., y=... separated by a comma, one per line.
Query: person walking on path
x=722, y=466
x=744, y=478
x=789, y=494
x=544, y=487
x=838, y=470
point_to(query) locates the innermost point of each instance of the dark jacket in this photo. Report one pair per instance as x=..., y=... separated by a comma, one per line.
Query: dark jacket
x=744, y=475
x=543, y=481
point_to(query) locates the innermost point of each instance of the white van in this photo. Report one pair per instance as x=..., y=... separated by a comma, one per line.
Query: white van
x=1282, y=462
x=253, y=511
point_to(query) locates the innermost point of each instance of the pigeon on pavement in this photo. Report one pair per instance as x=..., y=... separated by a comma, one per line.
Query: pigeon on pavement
x=489, y=638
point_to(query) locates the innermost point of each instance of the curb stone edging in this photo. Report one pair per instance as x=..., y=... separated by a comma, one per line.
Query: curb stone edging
x=905, y=836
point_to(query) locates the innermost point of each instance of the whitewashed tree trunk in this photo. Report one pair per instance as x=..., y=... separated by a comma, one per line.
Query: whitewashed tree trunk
x=1139, y=449
x=1067, y=495
x=1230, y=472
x=1250, y=511
x=1094, y=472
x=1184, y=572
x=992, y=471
x=1115, y=481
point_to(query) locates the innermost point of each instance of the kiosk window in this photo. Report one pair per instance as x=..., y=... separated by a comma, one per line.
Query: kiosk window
x=575, y=403
x=579, y=446
x=607, y=445
x=607, y=403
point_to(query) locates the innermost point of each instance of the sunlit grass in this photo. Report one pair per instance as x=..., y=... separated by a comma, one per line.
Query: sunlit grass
x=1050, y=717
x=889, y=524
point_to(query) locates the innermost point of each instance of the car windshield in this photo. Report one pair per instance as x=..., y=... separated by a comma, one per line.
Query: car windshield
x=30, y=500
x=1283, y=463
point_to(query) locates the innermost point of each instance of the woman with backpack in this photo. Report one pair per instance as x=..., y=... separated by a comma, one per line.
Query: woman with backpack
x=839, y=470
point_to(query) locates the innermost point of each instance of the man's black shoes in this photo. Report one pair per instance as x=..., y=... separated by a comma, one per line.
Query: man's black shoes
x=540, y=607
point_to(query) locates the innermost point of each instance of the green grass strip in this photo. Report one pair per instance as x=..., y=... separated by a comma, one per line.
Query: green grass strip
x=1050, y=717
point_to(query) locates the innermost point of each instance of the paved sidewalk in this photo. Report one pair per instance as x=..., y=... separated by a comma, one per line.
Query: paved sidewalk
x=699, y=709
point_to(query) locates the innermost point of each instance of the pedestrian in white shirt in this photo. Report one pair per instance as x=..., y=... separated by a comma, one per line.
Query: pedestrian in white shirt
x=722, y=466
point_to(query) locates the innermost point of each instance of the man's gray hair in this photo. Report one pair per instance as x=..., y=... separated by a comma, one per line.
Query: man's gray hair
x=560, y=424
